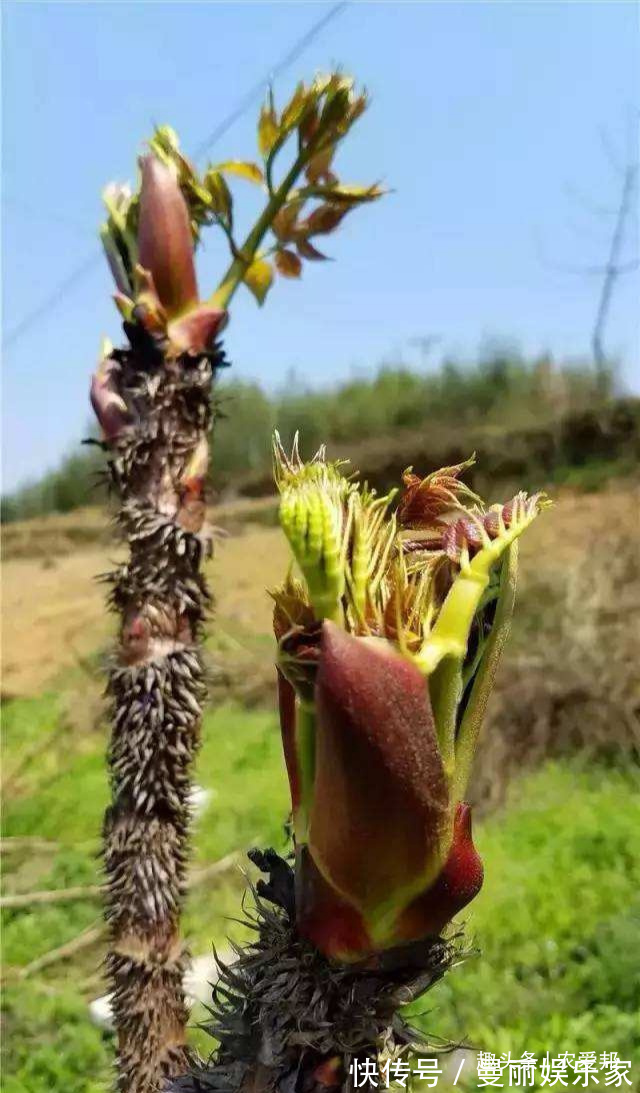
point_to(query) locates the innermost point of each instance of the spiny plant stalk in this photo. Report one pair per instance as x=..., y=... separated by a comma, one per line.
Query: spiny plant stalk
x=152, y=399
x=387, y=646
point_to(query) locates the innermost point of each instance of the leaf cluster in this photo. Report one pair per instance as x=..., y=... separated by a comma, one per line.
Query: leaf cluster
x=314, y=121
x=316, y=118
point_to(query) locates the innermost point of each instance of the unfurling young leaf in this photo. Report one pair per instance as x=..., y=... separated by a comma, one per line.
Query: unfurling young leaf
x=295, y=108
x=267, y=130
x=301, y=142
x=284, y=224
x=287, y=263
x=309, y=122
x=307, y=250
x=318, y=168
x=221, y=199
x=324, y=219
x=338, y=103
x=258, y=278
x=348, y=195
x=298, y=146
x=242, y=169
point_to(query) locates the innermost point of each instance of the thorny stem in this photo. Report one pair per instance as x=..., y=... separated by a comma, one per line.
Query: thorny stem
x=157, y=689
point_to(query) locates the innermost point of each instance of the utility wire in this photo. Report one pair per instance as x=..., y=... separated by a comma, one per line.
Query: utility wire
x=91, y=260
x=260, y=85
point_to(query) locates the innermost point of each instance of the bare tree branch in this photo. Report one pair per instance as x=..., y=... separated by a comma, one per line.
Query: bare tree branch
x=612, y=271
x=94, y=891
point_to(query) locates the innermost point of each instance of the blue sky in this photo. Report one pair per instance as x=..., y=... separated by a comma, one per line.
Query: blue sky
x=485, y=120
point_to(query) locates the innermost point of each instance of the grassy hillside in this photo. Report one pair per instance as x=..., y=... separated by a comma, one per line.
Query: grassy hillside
x=557, y=784
x=525, y=418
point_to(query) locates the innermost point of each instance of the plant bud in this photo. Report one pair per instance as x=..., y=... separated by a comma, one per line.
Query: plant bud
x=108, y=405
x=387, y=652
x=165, y=242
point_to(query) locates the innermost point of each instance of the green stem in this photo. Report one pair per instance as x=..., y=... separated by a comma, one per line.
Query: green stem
x=482, y=686
x=236, y=271
x=451, y=631
x=445, y=690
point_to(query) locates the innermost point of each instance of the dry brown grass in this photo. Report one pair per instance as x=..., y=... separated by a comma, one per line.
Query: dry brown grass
x=53, y=614
x=570, y=681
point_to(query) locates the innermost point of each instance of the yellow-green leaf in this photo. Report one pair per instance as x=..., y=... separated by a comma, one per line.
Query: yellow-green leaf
x=242, y=169
x=221, y=198
x=199, y=191
x=288, y=264
x=295, y=108
x=348, y=195
x=267, y=130
x=259, y=278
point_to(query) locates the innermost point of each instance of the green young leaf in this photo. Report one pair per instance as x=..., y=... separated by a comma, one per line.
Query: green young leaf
x=259, y=278
x=250, y=171
x=287, y=263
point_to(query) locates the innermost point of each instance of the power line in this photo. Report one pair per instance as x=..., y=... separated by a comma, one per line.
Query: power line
x=91, y=260
x=260, y=85
x=49, y=302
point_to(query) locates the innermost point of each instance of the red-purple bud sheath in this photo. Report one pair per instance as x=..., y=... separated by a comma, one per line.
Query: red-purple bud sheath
x=165, y=242
x=287, y=705
x=457, y=884
x=333, y=925
x=196, y=331
x=380, y=807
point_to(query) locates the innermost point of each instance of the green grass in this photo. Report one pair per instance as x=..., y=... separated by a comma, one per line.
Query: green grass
x=556, y=921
